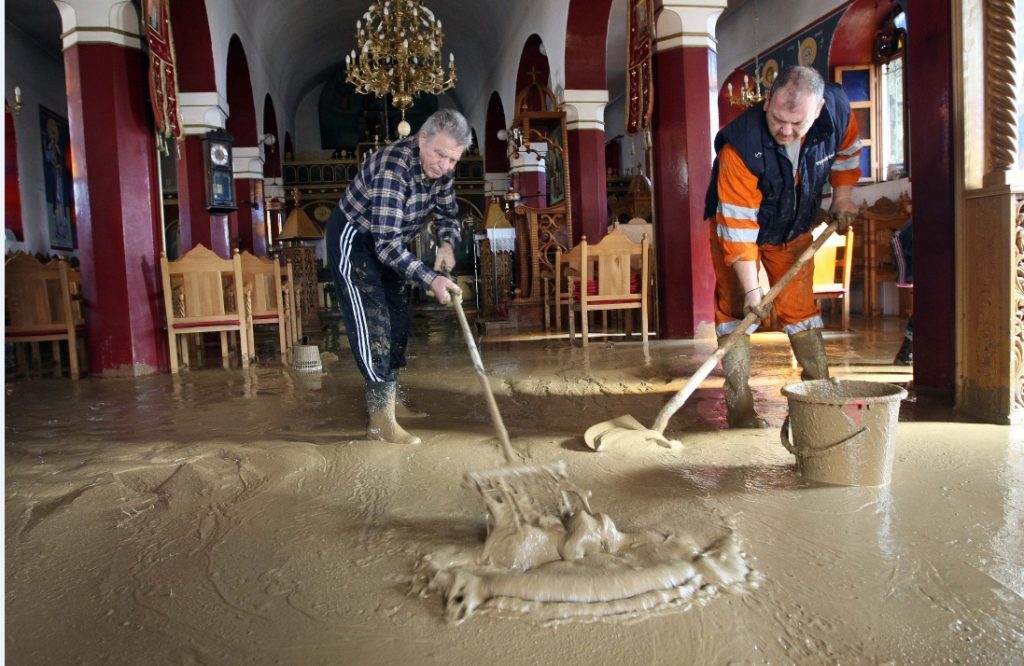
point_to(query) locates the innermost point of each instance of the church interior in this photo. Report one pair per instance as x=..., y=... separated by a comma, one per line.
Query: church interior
x=187, y=473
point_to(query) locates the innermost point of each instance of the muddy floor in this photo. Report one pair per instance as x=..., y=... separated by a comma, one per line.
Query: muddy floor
x=230, y=517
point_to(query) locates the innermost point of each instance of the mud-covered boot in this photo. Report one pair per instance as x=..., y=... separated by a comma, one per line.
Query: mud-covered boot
x=403, y=408
x=380, y=404
x=905, y=356
x=739, y=400
x=809, y=349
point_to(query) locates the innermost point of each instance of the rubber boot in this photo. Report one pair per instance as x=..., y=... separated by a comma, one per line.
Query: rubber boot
x=809, y=349
x=403, y=409
x=739, y=400
x=380, y=404
x=905, y=356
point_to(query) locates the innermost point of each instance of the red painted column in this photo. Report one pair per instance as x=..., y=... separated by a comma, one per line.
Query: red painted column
x=930, y=76
x=684, y=80
x=116, y=205
x=588, y=184
x=198, y=226
x=247, y=222
x=529, y=176
x=200, y=113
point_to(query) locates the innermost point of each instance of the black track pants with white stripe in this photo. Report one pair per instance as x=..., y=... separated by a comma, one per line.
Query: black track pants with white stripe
x=373, y=301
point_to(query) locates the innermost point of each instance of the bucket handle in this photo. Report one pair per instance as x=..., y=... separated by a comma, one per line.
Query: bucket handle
x=811, y=453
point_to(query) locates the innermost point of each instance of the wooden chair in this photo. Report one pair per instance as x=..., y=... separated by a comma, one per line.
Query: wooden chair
x=43, y=304
x=265, y=301
x=614, y=274
x=203, y=293
x=567, y=263
x=833, y=267
x=876, y=224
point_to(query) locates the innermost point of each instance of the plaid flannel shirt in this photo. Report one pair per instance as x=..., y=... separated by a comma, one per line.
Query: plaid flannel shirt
x=391, y=198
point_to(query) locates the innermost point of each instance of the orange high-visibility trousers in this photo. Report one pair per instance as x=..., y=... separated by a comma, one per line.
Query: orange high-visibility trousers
x=795, y=306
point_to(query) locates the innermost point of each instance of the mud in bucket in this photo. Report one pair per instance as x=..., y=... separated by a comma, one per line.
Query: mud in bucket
x=842, y=431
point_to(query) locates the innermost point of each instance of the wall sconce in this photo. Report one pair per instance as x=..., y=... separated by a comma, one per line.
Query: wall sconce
x=16, y=107
x=268, y=139
x=518, y=143
x=511, y=198
x=256, y=191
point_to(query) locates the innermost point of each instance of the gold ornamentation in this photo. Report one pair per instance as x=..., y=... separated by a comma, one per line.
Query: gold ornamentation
x=399, y=44
x=1002, y=84
x=322, y=213
x=808, y=52
x=1017, y=359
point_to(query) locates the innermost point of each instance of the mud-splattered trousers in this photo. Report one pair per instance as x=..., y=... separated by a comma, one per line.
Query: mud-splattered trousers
x=373, y=301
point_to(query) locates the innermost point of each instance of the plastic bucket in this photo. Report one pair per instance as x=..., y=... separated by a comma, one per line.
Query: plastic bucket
x=842, y=431
x=306, y=358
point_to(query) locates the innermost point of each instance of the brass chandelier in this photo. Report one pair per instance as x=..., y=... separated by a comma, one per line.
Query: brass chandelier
x=399, y=53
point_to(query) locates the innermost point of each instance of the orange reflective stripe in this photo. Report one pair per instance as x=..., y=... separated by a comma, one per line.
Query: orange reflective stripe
x=848, y=176
x=738, y=201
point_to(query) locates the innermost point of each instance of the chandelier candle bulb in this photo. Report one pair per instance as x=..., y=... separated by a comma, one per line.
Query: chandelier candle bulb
x=400, y=46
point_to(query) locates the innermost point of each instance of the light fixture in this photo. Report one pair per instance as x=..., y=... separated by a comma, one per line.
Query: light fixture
x=256, y=190
x=519, y=143
x=298, y=226
x=512, y=198
x=751, y=94
x=268, y=139
x=399, y=53
x=16, y=107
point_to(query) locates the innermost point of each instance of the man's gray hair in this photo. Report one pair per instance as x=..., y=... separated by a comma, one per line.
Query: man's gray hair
x=792, y=83
x=450, y=122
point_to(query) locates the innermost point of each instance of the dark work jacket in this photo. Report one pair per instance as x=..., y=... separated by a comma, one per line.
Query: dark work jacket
x=786, y=211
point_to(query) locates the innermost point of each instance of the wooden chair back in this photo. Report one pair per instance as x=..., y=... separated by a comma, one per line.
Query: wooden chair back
x=43, y=303
x=566, y=265
x=203, y=293
x=265, y=300
x=833, y=269
x=614, y=274
x=292, y=305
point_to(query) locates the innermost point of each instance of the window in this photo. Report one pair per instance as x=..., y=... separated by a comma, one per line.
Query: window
x=877, y=93
x=893, y=120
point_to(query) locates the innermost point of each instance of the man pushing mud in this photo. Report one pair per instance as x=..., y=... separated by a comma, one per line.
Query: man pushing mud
x=368, y=235
x=764, y=198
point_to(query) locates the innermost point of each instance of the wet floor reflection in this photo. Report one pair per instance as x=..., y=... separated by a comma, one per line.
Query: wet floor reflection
x=229, y=516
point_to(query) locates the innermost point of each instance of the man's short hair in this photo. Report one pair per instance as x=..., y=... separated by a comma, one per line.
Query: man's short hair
x=450, y=122
x=793, y=83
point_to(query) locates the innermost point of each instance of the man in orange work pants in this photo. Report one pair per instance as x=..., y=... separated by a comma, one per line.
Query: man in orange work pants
x=794, y=304
x=772, y=165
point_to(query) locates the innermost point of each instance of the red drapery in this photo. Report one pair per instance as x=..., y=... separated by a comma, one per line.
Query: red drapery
x=163, y=75
x=639, y=47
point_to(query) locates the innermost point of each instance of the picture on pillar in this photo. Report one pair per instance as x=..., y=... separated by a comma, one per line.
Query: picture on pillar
x=60, y=204
x=555, y=166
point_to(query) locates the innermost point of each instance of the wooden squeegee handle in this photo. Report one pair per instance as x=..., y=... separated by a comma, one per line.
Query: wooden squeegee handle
x=478, y=364
x=681, y=396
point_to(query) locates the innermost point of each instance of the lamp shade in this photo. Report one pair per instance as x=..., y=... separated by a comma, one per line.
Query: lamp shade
x=495, y=218
x=298, y=226
x=499, y=231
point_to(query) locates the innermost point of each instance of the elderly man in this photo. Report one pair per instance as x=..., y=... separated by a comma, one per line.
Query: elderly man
x=368, y=234
x=765, y=196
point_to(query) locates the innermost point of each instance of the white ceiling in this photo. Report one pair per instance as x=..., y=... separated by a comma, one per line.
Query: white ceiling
x=299, y=42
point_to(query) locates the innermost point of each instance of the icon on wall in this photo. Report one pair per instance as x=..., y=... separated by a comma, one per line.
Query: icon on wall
x=808, y=52
x=60, y=203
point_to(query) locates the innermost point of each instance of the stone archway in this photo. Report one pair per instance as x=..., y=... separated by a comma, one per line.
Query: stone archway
x=241, y=125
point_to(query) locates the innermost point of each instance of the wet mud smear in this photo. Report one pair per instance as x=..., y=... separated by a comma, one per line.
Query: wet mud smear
x=227, y=517
x=558, y=562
